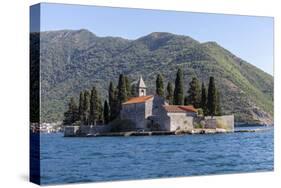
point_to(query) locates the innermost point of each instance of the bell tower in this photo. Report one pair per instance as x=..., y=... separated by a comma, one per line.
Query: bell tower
x=141, y=87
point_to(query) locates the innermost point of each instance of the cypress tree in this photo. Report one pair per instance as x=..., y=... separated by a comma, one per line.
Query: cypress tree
x=194, y=93
x=100, y=110
x=211, y=103
x=203, y=104
x=186, y=100
x=128, y=86
x=94, y=107
x=113, y=103
x=179, y=90
x=116, y=103
x=106, y=116
x=134, y=90
x=86, y=107
x=169, y=96
x=81, y=107
x=218, y=106
x=111, y=96
x=75, y=111
x=160, y=86
x=67, y=118
x=122, y=93
x=71, y=115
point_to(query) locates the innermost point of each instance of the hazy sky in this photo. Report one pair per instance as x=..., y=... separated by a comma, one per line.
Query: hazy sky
x=249, y=37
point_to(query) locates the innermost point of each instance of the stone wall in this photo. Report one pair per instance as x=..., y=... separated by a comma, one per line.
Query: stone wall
x=86, y=130
x=157, y=106
x=223, y=122
x=139, y=117
x=91, y=129
x=210, y=123
x=138, y=113
x=180, y=121
x=159, y=121
x=166, y=121
x=148, y=107
x=71, y=130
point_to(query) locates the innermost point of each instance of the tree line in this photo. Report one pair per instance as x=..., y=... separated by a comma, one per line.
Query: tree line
x=197, y=94
x=92, y=111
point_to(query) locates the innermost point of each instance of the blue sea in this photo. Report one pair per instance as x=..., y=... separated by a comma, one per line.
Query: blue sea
x=71, y=160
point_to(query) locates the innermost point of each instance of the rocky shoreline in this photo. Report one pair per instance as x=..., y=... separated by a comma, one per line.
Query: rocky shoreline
x=154, y=133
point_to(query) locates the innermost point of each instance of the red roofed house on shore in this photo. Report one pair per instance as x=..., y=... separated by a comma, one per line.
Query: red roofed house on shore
x=153, y=113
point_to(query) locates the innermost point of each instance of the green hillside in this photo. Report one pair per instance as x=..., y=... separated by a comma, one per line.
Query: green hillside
x=75, y=60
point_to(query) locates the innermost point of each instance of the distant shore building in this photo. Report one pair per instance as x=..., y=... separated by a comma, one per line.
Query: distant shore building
x=153, y=113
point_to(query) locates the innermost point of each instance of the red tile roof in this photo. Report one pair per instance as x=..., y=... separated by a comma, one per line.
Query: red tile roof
x=188, y=108
x=179, y=108
x=141, y=99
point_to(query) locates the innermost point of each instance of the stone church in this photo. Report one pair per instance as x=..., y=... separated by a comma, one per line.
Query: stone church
x=153, y=113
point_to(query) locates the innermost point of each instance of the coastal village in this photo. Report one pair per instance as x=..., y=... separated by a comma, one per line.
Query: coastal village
x=54, y=127
x=143, y=114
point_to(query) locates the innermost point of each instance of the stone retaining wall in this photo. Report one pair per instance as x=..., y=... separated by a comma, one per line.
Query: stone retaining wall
x=174, y=122
x=86, y=130
x=94, y=129
x=71, y=130
x=223, y=122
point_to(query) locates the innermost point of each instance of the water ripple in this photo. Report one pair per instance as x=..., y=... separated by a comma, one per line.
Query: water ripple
x=71, y=160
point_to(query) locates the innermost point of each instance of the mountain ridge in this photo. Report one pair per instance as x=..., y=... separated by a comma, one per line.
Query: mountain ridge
x=72, y=60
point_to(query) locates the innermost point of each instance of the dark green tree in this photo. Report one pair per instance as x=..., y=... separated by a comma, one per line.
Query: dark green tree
x=179, y=90
x=194, y=93
x=81, y=107
x=186, y=100
x=169, y=96
x=94, y=107
x=71, y=115
x=100, y=110
x=106, y=115
x=218, y=106
x=203, y=104
x=122, y=92
x=160, y=85
x=134, y=92
x=113, y=102
x=128, y=86
x=212, y=98
x=111, y=98
x=86, y=107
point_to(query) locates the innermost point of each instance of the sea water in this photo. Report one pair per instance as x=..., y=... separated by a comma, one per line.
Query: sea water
x=78, y=159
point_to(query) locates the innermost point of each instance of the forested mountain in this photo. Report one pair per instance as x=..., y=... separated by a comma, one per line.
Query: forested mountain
x=74, y=60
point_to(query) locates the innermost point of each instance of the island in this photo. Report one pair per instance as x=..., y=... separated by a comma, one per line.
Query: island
x=132, y=112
